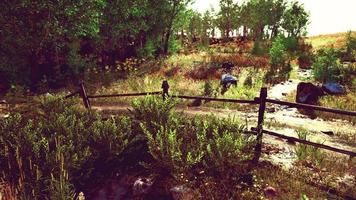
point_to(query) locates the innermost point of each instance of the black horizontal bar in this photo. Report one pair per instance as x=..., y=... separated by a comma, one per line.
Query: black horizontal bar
x=306, y=106
x=322, y=146
x=123, y=95
x=215, y=99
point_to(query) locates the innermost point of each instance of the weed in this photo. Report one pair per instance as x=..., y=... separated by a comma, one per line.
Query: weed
x=325, y=67
x=306, y=152
x=55, y=149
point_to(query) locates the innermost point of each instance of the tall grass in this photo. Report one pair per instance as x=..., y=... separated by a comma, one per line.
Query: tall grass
x=183, y=145
x=309, y=153
x=56, y=151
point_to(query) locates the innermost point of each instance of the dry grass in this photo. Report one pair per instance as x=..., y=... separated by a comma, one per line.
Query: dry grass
x=343, y=102
x=241, y=60
x=336, y=40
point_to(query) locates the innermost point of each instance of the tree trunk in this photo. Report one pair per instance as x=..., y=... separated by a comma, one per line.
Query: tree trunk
x=166, y=41
x=245, y=31
x=274, y=32
x=34, y=70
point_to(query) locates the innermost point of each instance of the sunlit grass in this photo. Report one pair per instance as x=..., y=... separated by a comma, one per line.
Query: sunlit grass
x=336, y=40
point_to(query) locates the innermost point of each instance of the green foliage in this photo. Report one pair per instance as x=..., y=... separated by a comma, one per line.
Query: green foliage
x=278, y=53
x=350, y=43
x=326, y=65
x=149, y=49
x=153, y=111
x=174, y=46
x=257, y=48
x=209, y=89
x=57, y=41
x=180, y=144
x=35, y=36
x=308, y=153
x=348, y=52
x=48, y=156
x=227, y=17
x=295, y=20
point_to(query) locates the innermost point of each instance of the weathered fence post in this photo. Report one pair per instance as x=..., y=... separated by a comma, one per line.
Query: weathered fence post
x=261, y=113
x=165, y=88
x=84, y=96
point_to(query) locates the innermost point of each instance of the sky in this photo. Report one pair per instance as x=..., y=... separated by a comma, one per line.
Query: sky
x=326, y=16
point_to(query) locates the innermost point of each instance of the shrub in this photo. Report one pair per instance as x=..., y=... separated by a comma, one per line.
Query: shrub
x=209, y=89
x=257, y=48
x=58, y=150
x=148, y=50
x=278, y=53
x=349, y=51
x=174, y=46
x=326, y=65
x=305, y=55
x=189, y=145
x=306, y=152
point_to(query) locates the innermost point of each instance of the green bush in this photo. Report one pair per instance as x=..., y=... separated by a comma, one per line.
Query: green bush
x=348, y=75
x=152, y=111
x=326, y=65
x=308, y=153
x=174, y=46
x=189, y=145
x=209, y=89
x=350, y=47
x=278, y=53
x=257, y=48
x=149, y=50
x=58, y=150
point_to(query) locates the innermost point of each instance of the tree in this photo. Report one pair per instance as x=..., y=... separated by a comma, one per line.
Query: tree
x=295, y=20
x=174, y=7
x=207, y=23
x=36, y=35
x=125, y=26
x=195, y=26
x=227, y=17
x=277, y=9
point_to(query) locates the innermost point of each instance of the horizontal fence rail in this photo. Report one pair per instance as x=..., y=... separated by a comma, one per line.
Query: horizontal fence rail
x=306, y=106
x=123, y=95
x=215, y=99
x=322, y=146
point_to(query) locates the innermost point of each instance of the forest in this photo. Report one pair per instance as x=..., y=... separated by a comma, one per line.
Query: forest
x=151, y=99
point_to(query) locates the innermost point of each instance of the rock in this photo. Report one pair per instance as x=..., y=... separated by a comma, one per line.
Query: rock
x=308, y=93
x=228, y=78
x=142, y=186
x=227, y=65
x=271, y=110
x=270, y=192
x=333, y=88
x=291, y=142
x=330, y=133
x=182, y=192
x=80, y=196
x=196, y=103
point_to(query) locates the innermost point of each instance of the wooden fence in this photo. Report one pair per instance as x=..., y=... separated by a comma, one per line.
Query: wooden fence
x=261, y=101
